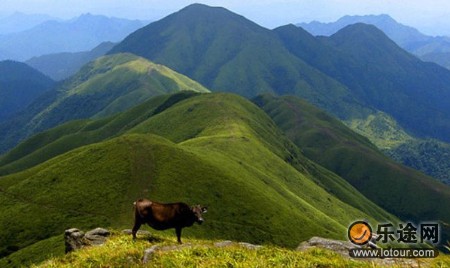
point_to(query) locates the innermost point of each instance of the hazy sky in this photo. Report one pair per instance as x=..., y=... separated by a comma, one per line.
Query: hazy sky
x=431, y=17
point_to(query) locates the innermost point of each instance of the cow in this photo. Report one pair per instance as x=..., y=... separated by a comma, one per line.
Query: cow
x=166, y=216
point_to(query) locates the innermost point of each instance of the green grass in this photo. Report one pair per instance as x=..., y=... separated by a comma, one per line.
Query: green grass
x=121, y=251
x=382, y=130
x=40, y=251
x=206, y=44
x=429, y=156
x=402, y=191
x=426, y=155
x=106, y=86
x=74, y=134
x=219, y=150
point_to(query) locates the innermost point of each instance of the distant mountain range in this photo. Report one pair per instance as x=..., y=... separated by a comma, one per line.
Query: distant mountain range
x=20, y=85
x=60, y=66
x=18, y=22
x=80, y=34
x=428, y=48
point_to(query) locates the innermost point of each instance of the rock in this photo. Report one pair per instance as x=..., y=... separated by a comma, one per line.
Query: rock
x=249, y=246
x=99, y=232
x=148, y=253
x=73, y=239
x=97, y=236
x=225, y=243
x=341, y=247
x=228, y=243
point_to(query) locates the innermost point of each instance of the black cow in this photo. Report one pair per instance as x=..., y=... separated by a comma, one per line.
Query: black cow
x=165, y=216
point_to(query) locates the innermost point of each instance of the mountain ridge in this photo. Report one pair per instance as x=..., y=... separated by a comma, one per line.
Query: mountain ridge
x=103, y=87
x=428, y=48
x=227, y=52
x=250, y=72
x=18, y=21
x=380, y=74
x=60, y=66
x=86, y=32
x=330, y=143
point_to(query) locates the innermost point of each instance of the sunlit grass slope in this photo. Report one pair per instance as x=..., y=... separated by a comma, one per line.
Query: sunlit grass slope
x=215, y=149
x=103, y=87
x=73, y=134
x=404, y=192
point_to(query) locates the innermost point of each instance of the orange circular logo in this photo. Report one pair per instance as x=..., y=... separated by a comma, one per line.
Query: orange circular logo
x=359, y=233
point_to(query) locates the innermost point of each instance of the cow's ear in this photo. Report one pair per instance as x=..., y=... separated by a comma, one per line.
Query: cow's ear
x=204, y=209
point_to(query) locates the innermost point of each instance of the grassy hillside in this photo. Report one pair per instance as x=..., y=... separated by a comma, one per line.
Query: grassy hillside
x=402, y=191
x=214, y=149
x=381, y=129
x=74, y=134
x=103, y=87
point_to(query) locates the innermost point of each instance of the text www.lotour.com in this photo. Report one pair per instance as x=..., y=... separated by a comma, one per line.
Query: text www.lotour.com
x=393, y=253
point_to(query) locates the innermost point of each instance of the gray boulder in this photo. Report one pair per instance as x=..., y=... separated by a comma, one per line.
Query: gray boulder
x=341, y=247
x=74, y=239
x=97, y=236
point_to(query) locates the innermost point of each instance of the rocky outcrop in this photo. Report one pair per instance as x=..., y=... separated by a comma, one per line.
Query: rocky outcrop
x=228, y=243
x=340, y=247
x=148, y=253
x=75, y=239
x=343, y=248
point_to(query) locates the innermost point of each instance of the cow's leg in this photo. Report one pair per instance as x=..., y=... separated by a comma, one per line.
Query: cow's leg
x=137, y=225
x=178, y=231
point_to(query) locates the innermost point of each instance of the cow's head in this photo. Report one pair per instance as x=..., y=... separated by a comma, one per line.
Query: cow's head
x=198, y=210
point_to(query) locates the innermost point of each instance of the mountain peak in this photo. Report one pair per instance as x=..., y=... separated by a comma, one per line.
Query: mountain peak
x=360, y=32
x=362, y=27
x=398, y=32
x=199, y=6
x=202, y=12
x=362, y=40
